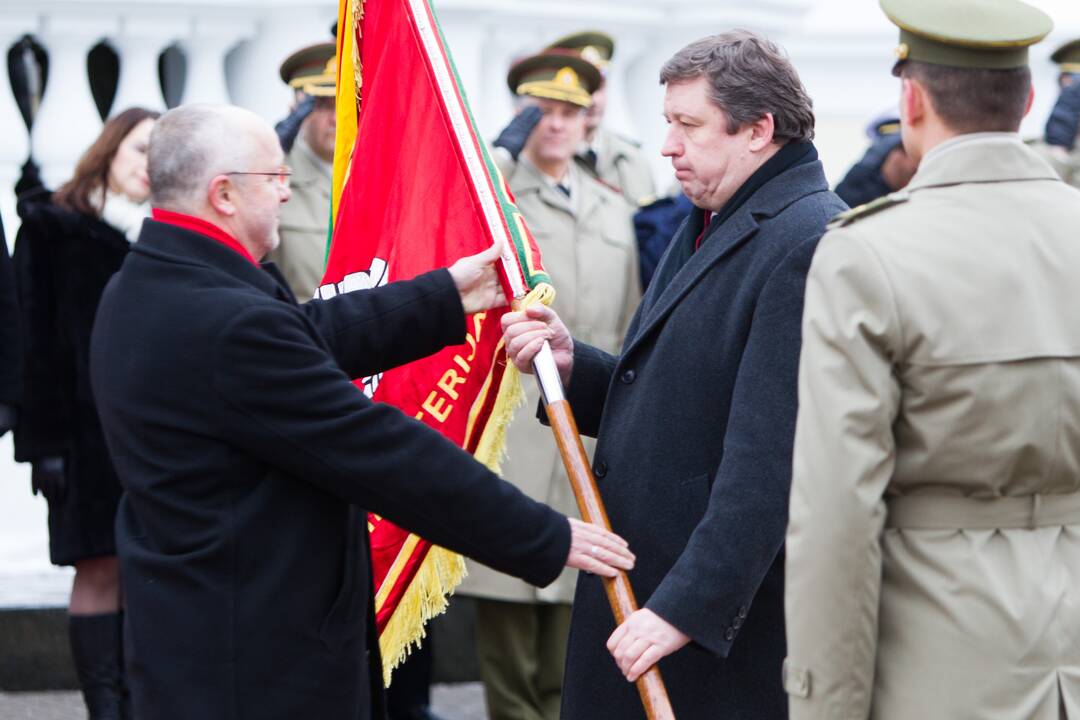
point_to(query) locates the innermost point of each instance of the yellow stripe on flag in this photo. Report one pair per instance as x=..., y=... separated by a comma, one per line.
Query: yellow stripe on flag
x=348, y=96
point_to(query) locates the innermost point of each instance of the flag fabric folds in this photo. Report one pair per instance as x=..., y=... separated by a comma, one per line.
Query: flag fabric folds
x=415, y=189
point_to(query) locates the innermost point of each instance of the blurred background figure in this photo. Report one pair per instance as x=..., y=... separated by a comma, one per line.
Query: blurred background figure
x=66, y=250
x=1058, y=144
x=583, y=229
x=883, y=168
x=654, y=226
x=10, y=341
x=307, y=136
x=613, y=158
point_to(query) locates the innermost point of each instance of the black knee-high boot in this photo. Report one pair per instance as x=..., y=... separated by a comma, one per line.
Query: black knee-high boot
x=95, y=647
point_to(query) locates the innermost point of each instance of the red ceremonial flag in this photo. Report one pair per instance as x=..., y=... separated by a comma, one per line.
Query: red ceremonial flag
x=415, y=189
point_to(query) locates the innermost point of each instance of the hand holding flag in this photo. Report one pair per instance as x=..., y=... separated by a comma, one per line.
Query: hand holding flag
x=477, y=279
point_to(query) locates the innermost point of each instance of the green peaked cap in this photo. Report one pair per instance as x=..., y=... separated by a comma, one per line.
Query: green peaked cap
x=992, y=34
x=1068, y=56
x=556, y=75
x=593, y=45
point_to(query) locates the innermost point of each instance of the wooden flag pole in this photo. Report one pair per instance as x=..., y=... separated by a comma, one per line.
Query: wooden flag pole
x=620, y=595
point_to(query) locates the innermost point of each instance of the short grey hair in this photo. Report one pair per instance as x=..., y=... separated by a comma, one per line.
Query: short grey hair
x=191, y=144
x=750, y=76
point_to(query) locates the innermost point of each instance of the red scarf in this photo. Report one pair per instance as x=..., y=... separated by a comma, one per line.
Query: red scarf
x=204, y=228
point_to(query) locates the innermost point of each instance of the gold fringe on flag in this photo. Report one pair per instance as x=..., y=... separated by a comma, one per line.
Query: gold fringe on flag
x=428, y=595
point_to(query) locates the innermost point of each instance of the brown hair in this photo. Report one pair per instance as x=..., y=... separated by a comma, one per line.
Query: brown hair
x=973, y=99
x=92, y=171
x=750, y=76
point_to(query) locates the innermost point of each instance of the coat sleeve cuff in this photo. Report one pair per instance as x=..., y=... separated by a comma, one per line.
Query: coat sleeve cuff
x=676, y=604
x=448, y=300
x=548, y=570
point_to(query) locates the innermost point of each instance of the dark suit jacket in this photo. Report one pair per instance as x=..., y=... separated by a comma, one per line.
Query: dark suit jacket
x=695, y=420
x=249, y=459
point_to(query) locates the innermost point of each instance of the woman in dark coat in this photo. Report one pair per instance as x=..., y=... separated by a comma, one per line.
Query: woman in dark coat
x=66, y=251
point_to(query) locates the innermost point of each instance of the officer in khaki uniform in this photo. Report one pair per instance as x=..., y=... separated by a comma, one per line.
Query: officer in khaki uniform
x=584, y=231
x=933, y=550
x=1059, y=144
x=614, y=158
x=305, y=219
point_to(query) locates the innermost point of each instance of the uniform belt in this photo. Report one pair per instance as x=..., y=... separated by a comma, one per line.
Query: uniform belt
x=952, y=512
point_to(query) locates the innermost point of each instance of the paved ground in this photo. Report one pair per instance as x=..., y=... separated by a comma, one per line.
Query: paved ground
x=450, y=702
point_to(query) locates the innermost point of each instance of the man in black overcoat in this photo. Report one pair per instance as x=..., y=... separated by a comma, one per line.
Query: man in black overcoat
x=249, y=459
x=695, y=417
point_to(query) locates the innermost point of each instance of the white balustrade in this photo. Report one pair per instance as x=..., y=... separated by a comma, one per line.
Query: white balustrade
x=68, y=120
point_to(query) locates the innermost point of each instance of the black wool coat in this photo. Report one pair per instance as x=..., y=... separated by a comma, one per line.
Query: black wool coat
x=249, y=460
x=10, y=336
x=695, y=420
x=63, y=261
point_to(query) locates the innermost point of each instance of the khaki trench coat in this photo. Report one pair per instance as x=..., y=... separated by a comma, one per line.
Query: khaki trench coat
x=621, y=164
x=1066, y=162
x=305, y=220
x=933, y=550
x=589, y=252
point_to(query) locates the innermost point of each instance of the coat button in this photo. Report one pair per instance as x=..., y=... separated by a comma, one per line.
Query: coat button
x=729, y=635
x=736, y=623
x=742, y=612
x=628, y=376
x=600, y=470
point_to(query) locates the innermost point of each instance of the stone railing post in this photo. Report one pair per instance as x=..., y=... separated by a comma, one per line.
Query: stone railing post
x=16, y=145
x=68, y=121
x=205, y=48
x=139, y=43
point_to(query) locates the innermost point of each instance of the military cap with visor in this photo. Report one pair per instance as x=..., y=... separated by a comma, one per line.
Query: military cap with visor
x=556, y=75
x=592, y=45
x=1068, y=57
x=987, y=34
x=312, y=70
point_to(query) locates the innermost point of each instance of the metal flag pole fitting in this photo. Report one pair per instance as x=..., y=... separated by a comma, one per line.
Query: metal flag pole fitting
x=619, y=592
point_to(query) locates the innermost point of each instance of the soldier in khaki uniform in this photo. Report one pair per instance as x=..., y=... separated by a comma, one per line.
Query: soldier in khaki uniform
x=305, y=219
x=583, y=230
x=1059, y=144
x=614, y=158
x=933, y=550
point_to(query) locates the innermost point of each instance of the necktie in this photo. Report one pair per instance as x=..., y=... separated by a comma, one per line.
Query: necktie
x=704, y=229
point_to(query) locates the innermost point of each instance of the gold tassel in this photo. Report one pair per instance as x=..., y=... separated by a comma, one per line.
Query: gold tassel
x=491, y=450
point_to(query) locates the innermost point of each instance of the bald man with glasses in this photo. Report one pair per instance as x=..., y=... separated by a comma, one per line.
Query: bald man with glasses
x=249, y=460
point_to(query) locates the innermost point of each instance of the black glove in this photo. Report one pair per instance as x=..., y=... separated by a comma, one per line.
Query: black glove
x=47, y=477
x=516, y=134
x=289, y=128
x=7, y=418
x=1064, y=121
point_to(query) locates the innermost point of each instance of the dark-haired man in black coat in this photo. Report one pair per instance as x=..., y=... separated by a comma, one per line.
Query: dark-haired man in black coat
x=695, y=417
x=249, y=459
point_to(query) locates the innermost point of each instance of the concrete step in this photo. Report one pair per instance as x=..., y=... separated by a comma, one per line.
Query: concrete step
x=35, y=656
x=449, y=702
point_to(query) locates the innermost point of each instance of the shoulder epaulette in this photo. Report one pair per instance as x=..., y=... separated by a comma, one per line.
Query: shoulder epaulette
x=867, y=209
x=628, y=140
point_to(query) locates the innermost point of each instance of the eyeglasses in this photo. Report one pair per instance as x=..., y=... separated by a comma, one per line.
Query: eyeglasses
x=282, y=174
